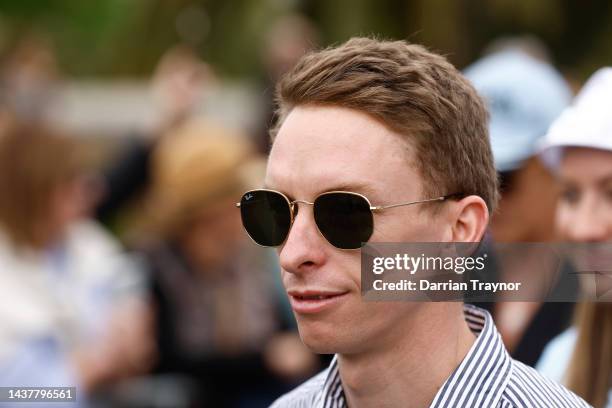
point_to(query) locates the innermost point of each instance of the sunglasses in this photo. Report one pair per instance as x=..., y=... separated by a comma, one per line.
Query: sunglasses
x=345, y=219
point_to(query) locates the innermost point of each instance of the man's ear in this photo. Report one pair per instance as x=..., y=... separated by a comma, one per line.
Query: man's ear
x=469, y=217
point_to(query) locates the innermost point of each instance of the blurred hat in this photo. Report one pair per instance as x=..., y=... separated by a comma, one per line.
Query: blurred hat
x=524, y=95
x=198, y=164
x=586, y=123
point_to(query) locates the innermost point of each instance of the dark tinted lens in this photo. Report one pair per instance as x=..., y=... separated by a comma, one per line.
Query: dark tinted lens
x=266, y=217
x=345, y=220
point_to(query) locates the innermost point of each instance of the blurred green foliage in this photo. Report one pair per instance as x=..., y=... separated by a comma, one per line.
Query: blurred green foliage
x=126, y=37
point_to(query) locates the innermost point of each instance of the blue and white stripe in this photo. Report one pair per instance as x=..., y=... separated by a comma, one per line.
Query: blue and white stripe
x=487, y=377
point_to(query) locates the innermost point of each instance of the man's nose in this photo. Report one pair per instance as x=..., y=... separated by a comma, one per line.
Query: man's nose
x=304, y=248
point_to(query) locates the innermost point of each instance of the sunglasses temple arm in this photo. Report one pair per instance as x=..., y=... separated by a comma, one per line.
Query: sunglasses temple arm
x=384, y=207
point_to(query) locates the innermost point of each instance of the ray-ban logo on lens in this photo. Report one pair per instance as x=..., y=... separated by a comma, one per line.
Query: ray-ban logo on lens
x=248, y=196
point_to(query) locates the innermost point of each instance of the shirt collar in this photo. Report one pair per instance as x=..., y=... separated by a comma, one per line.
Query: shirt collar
x=479, y=380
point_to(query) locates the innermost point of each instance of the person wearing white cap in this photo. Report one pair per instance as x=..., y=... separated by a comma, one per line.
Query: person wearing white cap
x=578, y=148
x=524, y=96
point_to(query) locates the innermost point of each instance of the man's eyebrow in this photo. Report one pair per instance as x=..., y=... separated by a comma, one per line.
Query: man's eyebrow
x=266, y=186
x=354, y=187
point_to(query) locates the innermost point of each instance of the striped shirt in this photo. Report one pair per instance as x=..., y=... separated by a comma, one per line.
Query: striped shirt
x=487, y=377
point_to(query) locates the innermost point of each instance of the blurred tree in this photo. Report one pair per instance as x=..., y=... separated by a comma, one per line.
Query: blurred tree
x=126, y=37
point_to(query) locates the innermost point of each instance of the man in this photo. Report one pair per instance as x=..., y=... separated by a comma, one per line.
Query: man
x=396, y=124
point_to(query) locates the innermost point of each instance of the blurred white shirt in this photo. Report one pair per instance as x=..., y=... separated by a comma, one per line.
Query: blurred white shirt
x=556, y=358
x=52, y=301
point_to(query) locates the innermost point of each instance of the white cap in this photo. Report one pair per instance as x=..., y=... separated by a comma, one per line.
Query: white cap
x=524, y=96
x=586, y=123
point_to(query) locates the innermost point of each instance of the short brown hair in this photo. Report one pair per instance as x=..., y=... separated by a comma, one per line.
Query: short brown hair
x=412, y=91
x=34, y=162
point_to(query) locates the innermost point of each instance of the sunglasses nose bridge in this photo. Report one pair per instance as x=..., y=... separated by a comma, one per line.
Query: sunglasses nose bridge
x=293, y=208
x=293, y=204
x=301, y=201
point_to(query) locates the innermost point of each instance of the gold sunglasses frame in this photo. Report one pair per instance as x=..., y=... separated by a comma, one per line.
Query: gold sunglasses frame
x=373, y=209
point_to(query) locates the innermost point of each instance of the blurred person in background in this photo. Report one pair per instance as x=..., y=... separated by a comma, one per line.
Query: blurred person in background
x=524, y=94
x=72, y=311
x=579, y=149
x=176, y=88
x=288, y=39
x=28, y=78
x=219, y=314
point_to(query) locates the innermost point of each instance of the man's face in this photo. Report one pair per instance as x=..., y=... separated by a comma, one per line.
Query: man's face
x=321, y=149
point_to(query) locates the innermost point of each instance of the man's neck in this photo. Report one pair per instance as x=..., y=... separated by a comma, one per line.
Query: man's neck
x=408, y=369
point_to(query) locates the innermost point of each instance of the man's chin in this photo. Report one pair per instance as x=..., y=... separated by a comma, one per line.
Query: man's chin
x=322, y=337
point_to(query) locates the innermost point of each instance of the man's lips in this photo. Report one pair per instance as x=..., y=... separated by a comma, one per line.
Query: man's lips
x=314, y=301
